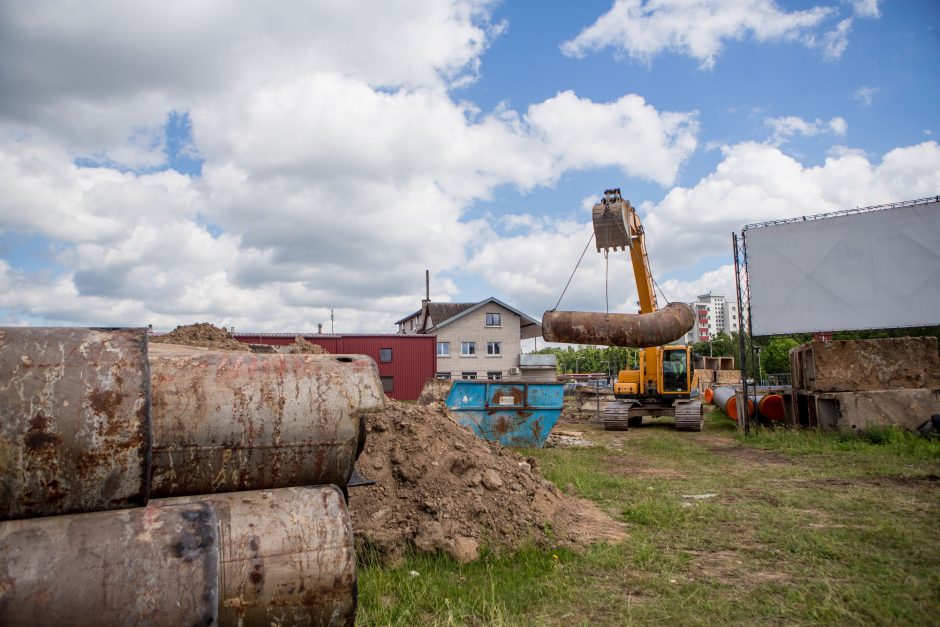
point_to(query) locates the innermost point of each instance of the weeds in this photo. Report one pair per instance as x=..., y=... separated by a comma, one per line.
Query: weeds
x=782, y=526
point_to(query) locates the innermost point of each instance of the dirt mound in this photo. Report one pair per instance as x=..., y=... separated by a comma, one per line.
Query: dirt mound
x=201, y=334
x=302, y=346
x=439, y=488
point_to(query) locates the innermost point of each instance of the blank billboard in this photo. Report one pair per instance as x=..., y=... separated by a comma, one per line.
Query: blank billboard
x=865, y=270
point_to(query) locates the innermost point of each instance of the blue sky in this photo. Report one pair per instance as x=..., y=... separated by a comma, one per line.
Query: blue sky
x=257, y=166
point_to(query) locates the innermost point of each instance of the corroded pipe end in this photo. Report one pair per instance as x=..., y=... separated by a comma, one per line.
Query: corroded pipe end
x=615, y=329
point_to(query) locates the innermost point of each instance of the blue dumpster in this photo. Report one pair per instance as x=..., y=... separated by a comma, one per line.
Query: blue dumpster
x=509, y=412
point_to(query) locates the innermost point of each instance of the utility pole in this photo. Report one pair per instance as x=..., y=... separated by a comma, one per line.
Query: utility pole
x=331, y=321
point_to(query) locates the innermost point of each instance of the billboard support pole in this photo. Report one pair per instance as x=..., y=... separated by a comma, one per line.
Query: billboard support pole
x=744, y=336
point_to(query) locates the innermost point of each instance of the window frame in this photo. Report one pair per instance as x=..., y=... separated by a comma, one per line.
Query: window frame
x=472, y=345
x=498, y=346
x=468, y=375
x=382, y=359
x=498, y=373
x=390, y=379
x=442, y=375
x=498, y=316
x=440, y=345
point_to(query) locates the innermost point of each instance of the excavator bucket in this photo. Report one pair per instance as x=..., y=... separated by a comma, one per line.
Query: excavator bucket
x=610, y=231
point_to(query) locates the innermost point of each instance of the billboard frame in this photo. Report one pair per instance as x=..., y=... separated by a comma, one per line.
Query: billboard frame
x=748, y=348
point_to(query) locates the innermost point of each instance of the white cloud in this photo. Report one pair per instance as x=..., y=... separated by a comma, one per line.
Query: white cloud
x=757, y=182
x=865, y=95
x=836, y=41
x=338, y=165
x=628, y=133
x=643, y=29
x=96, y=75
x=785, y=127
x=866, y=8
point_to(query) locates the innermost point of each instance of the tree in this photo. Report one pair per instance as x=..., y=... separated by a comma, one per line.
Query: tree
x=583, y=359
x=775, y=356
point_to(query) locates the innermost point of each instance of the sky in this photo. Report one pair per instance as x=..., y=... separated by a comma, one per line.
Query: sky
x=259, y=165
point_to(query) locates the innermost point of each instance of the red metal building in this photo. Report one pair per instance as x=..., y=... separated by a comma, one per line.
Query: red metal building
x=405, y=361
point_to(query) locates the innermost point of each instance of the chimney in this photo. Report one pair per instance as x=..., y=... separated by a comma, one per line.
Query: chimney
x=423, y=316
x=319, y=328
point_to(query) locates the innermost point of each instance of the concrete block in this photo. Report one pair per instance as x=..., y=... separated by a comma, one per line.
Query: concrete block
x=907, y=409
x=727, y=377
x=855, y=365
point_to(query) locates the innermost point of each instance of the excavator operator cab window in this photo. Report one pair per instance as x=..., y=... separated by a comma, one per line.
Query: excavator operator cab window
x=675, y=366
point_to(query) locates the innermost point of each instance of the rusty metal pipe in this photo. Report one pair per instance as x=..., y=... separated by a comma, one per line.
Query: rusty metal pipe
x=253, y=558
x=229, y=421
x=614, y=329
x=75, y=426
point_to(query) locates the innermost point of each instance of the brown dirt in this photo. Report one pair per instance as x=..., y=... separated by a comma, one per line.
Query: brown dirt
x=727, y=446
x=202, y=334
x=302, y=346
x=441, y=489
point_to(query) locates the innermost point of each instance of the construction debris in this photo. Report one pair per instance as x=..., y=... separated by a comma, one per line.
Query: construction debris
x=440, y=489
x=202, y=334
x=302, y=346
x=567, y=439
x=858, y=384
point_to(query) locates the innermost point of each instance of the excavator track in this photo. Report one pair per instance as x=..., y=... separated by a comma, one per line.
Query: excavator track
x=689, y=416
x=617, y=416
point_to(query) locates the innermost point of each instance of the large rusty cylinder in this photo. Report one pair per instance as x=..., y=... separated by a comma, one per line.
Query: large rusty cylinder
x=615, y=329
x=283, y=557
x=287, y=557
x=75, y=427
x=230, y=421
x=144, y=566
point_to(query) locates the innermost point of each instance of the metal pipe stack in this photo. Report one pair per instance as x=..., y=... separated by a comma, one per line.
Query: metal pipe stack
x=92, y=426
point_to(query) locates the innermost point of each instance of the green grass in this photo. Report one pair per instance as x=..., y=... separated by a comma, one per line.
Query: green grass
x=804, y=529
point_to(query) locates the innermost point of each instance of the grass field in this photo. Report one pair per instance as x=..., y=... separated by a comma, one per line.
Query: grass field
x=783, y=527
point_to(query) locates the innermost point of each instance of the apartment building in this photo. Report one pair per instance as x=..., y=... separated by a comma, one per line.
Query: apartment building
x=713, y=315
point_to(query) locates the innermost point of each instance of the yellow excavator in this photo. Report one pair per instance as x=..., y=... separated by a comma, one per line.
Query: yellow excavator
x=662, y=382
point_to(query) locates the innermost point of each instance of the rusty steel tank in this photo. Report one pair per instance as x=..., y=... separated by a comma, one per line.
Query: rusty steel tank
x=75, y=428
x=660, y=327
x=227, y=421
x=253, y=558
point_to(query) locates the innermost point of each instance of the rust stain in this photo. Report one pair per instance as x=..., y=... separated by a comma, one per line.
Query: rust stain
x=37, y=437
x=105, y=402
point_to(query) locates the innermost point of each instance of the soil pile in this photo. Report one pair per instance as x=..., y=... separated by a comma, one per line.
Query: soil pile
x=201, y=334
x=439, y=488
x=302, y=346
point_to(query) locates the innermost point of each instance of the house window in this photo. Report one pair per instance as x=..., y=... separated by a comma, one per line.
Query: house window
x=442, y=375
x=388, y=384
x=443, y=349
x=468, y=349
x=492, y=320
x=493, y=349
x=495, y=375
x=385, y=355
x=468, y=375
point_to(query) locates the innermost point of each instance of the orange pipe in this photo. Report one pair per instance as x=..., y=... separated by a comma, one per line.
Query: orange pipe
x=708, y=395
x=770, y=406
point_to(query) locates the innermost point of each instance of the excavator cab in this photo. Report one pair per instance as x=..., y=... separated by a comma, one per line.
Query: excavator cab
x=676, y=374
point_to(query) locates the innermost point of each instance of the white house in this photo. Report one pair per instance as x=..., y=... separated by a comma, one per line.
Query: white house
x=477, y=340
